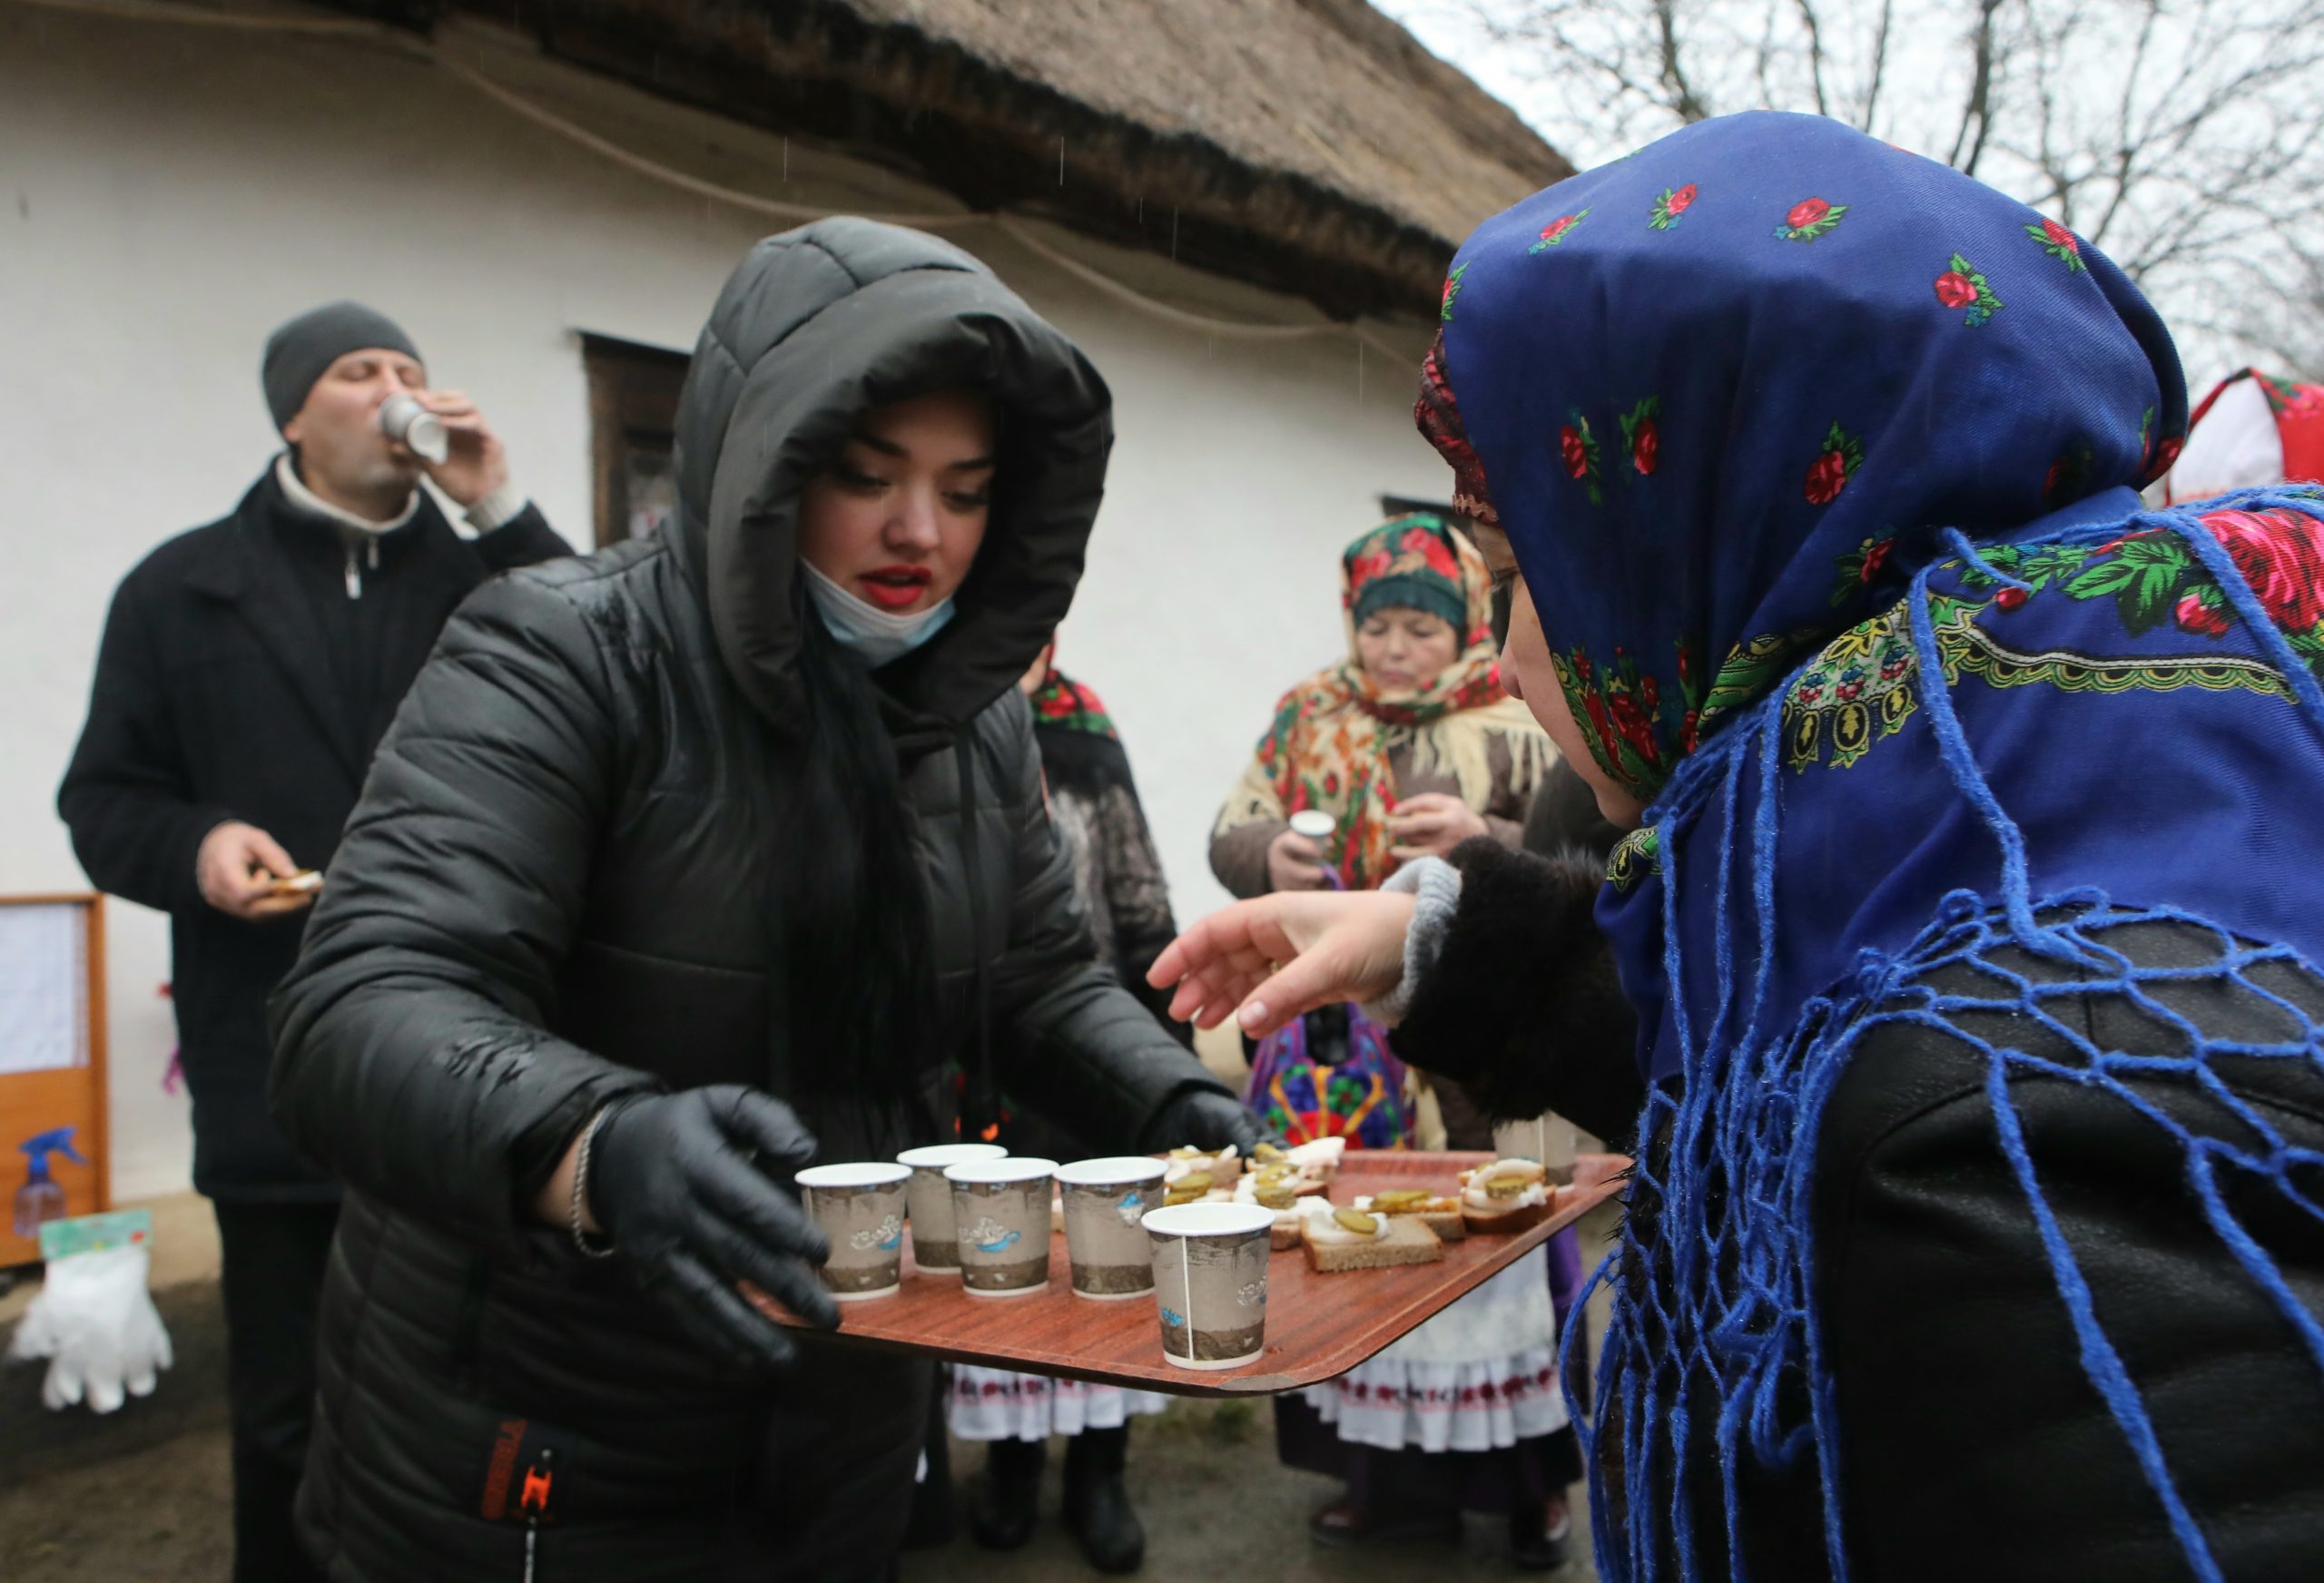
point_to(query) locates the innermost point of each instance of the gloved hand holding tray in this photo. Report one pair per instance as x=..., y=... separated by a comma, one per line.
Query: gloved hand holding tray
x=1317, y=1325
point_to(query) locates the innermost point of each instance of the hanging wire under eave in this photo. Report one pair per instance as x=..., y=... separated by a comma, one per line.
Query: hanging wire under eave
x=379, y=33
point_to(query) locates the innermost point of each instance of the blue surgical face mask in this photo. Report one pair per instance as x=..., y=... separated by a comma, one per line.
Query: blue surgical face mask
x=876, y=636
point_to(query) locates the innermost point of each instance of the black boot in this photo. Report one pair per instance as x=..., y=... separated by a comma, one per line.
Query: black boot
x=932, y=1522
x=1008, y=1500
x=1096, y=1506
x=1540, y=1536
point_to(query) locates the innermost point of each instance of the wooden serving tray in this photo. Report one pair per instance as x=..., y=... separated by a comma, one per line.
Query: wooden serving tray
x=1318, y=1327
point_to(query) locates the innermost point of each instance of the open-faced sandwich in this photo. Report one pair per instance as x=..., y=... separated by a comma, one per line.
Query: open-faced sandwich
x=1441, y=1214
x=1508, y=1195
x=1351, y=1239
x=1197, y=1187
x=1221, y=1167
x=1318, y=1161
x=1279, y=1188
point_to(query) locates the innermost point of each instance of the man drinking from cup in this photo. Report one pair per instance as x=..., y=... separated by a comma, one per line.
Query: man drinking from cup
x=247, y=672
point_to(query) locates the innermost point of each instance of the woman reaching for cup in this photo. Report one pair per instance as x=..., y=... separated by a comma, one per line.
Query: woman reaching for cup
x=1979, y=1091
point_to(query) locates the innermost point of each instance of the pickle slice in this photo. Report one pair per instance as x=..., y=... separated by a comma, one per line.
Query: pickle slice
x=1268, y=1154
x=1505, y=1188
x=1277, y=1198
x=1357, y=1221
x=1397, y=1200
x=1194, y=1182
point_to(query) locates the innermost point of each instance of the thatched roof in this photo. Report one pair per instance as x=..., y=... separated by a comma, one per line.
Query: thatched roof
x=1308, y=145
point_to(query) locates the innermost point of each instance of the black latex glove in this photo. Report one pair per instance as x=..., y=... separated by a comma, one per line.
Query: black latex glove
x=672, y=1181
x=1203, y=1118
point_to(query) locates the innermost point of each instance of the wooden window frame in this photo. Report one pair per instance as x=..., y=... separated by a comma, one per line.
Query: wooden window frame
x=633, y=400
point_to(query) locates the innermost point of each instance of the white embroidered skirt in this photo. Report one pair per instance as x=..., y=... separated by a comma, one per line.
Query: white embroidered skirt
x=995, y=1404
x=1479, y=1377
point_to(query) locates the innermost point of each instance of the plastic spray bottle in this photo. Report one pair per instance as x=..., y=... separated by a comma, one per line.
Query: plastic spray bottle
x=40, y=1198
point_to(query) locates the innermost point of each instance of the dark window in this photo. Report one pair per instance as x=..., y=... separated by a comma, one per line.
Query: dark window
x=632, y=411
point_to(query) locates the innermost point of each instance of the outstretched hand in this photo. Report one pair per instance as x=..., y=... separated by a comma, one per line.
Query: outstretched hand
x=1267, y=961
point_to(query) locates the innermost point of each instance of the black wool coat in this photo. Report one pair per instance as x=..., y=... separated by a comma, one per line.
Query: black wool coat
x=215, y=699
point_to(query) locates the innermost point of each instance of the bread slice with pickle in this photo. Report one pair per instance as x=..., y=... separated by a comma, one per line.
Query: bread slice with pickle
x=1335, y=1242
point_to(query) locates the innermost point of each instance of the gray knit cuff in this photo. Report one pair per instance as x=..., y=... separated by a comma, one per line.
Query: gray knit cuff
x=498, y=508
x=1436, y=886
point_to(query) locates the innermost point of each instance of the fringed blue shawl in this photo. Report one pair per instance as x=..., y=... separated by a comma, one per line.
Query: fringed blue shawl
x=1818, y=459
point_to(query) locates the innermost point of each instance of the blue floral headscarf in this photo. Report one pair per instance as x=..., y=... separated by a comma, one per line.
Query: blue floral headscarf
x=1818, y=458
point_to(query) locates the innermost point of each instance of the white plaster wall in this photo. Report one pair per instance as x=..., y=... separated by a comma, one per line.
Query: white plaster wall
x=168, y=195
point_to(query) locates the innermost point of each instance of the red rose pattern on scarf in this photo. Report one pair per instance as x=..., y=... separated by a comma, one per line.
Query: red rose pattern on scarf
x=1674, y=202
x=1638, y=732
x=1451, y=291
x=1558, y=230
x=1578, y=448
x=1642, y=435
x=1829, y=474
x=2152, y=576
x=1810, y=219
x=1963, y=286
x=1623, y=709
x=2059, y=243
x=1859, y=567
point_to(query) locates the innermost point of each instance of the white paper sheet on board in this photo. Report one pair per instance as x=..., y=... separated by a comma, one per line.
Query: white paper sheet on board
x=44, y=986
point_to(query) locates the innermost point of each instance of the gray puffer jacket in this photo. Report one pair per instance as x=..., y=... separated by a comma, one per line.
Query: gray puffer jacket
x=562, y=884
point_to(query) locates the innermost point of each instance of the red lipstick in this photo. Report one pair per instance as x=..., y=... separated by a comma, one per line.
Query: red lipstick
x=895, y=588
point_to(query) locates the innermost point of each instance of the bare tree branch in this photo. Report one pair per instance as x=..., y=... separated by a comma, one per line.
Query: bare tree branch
x=1978, y=112
x=1674, y=73
x=1815, y=55
x=2183, y=136
x=1879, y=65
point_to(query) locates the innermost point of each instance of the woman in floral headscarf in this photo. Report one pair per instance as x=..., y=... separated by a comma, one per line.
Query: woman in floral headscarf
x=1409, y=746
x=1969, y=916
x=1412, y=747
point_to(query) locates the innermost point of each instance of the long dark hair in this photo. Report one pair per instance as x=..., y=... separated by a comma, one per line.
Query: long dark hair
x=862, y=969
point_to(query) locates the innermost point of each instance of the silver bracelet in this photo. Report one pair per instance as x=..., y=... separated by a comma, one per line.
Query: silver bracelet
x=581, y=1239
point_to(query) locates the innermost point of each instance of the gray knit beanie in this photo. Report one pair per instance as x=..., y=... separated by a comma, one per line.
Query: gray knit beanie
x=298, y=354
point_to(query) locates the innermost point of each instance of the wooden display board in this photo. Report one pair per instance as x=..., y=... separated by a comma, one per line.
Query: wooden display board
x=52, y=1062
x=1317, y=1326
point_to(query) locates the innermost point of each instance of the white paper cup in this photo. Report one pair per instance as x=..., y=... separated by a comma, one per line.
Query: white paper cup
x=861, y=1208
x=1104, y=1245
x=1313, y=823
x=1210, y=1281
x=403, y=420
x=935, y=1249
x=1000, y=1218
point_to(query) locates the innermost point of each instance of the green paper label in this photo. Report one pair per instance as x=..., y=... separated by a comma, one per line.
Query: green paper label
x=93, y=1234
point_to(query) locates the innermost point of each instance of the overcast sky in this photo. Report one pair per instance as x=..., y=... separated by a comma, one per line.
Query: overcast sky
x=2225, y=301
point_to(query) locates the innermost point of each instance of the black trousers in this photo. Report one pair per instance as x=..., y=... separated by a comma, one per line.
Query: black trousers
x=274, y=1256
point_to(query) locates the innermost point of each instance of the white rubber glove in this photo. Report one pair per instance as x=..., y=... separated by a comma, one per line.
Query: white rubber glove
x=95, y=1322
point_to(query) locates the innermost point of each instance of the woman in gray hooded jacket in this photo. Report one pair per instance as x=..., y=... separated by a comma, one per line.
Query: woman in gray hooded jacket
x=685, y=865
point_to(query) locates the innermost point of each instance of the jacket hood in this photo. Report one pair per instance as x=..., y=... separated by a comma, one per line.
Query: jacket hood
x=817, y=327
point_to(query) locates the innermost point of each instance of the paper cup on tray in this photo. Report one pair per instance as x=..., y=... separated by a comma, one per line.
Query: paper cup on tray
x=1105, y=1200
x=1210, y=1281
x=861, y=1208
x=1001, y=1218
x=935, y=1246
